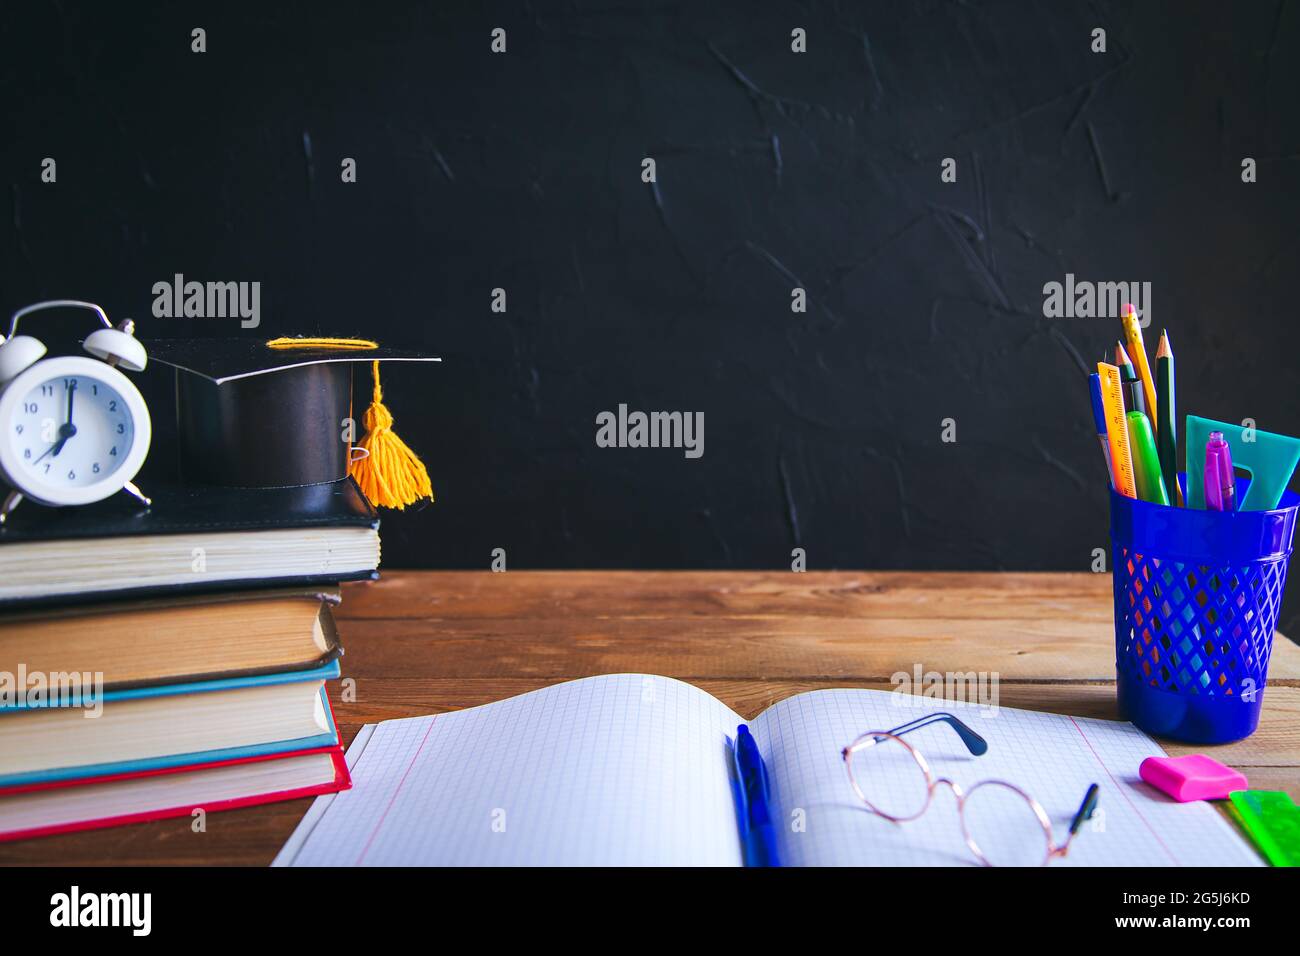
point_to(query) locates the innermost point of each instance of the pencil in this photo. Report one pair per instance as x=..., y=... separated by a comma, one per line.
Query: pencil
x=1122, y=363
x=1138, y=353
x=1167, y=427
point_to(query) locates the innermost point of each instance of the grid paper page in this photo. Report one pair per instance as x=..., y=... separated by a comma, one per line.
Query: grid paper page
x=614, y=770
x=1050, y=756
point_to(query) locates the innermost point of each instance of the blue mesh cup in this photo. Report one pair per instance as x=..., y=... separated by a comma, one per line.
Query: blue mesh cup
x=1197, y=595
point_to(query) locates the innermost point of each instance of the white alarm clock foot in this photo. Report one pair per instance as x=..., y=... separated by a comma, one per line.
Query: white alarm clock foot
x=10, y=503
x=131, y=489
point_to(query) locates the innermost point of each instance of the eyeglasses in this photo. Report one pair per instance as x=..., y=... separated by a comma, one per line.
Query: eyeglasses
x=1002, y=825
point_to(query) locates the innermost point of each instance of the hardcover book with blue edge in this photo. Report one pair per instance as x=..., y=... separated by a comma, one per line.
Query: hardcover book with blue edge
x=32, y=734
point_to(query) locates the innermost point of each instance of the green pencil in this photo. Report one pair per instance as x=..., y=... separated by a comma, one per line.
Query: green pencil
x=1167, y=424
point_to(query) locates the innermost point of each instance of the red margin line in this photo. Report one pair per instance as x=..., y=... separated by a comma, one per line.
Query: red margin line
x=1124, y=793
x=393, y=799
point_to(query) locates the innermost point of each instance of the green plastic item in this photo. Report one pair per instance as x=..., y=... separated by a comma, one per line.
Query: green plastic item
x=1272, y=821
x=1146, y=461
x=1271, y=460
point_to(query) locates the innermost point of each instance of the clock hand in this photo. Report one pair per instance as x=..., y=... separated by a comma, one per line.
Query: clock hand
x=65, y=432
x=67, y=429
x=55, y=448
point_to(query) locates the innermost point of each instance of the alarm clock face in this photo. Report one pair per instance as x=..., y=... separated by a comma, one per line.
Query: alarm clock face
x=75, y=431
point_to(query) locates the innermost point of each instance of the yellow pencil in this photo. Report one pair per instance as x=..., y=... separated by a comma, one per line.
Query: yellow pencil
x=1138, y=353
x=1112, y=403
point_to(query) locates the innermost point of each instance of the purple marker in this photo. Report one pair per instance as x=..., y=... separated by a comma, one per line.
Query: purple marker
x=1220, y=483
x=1228, y=478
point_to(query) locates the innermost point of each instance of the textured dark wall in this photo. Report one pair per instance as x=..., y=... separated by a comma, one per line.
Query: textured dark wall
x=775, y=169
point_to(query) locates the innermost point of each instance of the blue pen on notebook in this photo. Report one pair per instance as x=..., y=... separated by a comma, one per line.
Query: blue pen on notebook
x=755, y=822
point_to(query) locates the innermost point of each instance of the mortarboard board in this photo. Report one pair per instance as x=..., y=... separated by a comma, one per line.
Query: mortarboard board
x=258, y=414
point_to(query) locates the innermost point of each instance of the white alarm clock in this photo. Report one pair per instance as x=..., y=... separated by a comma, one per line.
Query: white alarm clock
x=73, y=430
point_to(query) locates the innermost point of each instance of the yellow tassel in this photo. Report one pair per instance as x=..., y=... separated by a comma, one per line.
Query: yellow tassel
x=390, y=474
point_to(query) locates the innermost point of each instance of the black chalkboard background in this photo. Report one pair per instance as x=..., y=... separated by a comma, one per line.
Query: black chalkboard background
x=775, y=170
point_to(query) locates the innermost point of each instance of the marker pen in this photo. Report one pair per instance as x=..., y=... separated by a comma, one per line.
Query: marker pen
x=1146, y=461
x=1220, y=479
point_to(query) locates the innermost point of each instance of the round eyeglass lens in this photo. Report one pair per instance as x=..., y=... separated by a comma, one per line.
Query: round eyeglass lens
x=889, y=778
x=1002, y=824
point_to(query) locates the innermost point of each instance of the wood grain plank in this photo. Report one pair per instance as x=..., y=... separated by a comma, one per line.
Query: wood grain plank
x=737, y=647
x=483, y=595
x=1037, y=626
x=722, y=647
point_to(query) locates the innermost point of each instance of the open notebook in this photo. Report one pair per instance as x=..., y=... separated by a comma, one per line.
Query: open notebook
x=633, y=769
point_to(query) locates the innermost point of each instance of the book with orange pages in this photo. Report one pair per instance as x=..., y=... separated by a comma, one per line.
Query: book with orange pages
x=174, y=639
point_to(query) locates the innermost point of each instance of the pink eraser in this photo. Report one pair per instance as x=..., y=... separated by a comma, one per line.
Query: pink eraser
x=1194, y=777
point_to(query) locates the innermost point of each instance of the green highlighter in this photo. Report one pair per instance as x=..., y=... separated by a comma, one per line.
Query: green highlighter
x=1142, y=445
x=1272, y=821
x=1271, y=460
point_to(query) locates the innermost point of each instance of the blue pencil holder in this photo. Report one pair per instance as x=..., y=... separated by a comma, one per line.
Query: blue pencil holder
x=1197, y=595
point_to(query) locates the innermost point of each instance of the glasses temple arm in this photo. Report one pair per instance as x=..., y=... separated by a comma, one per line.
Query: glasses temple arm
x=973, y=741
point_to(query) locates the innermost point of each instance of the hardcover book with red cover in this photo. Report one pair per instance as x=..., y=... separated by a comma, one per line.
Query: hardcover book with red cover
x=62, y=806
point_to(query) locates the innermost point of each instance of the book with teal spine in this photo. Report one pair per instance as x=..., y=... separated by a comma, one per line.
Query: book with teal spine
x=82, y=734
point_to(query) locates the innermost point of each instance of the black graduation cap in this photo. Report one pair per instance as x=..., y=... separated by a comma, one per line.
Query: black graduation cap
x=258, y=414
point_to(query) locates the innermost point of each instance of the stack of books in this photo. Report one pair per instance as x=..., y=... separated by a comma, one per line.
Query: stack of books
x=155, y=662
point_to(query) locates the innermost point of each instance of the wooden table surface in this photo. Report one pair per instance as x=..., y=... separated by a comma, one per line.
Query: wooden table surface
x=425, y=642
